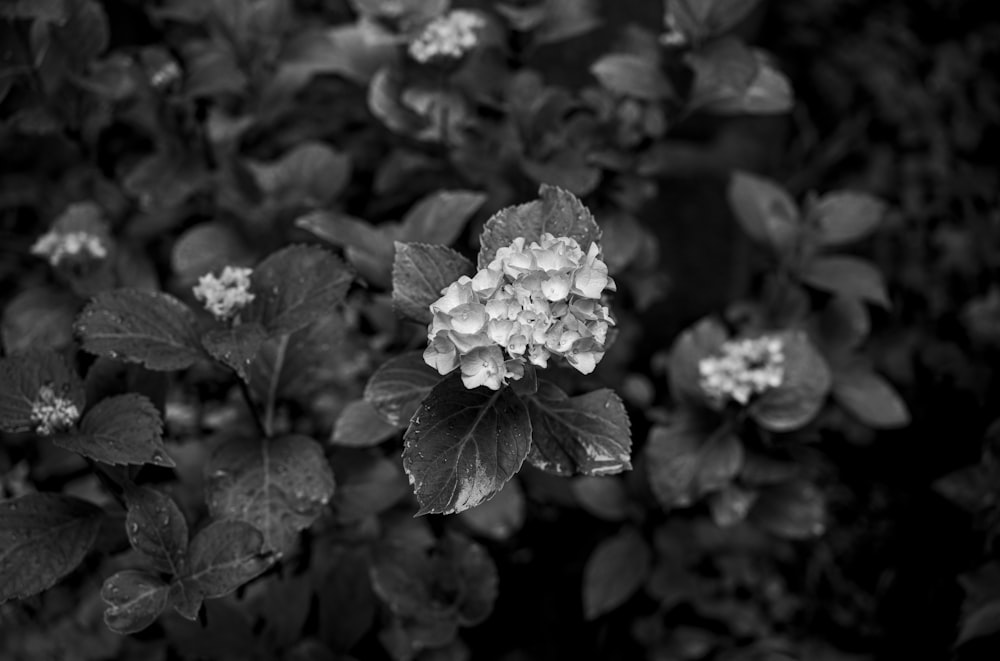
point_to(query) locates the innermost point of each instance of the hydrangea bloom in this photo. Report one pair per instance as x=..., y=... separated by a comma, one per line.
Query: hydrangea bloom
x=226, y=294
x=55, y=246
x=743, y=368
x=447, y=37
x=52, y=413
x=532, y=302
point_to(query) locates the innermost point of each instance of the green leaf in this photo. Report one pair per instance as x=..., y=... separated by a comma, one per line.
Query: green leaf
x=803, y=390
x=703, y=19
x=52, y=11
x=138, y=326
x=235, y=347
x=980, y=622
x=38, y=318
x=765, y=211
x=840, y=326
x=135, y=599
x=368, y=484
x=696, y=343
x=845, y=216
x=870, y=398
x=557, y=212
x=43, y=537
x=346, y=603
x=501, y=516
x=795, y=510
x=280, y=486
x=206, y=248
x=724, y=70
x=631, y=75
x=440, y=217
x=588, y=434
x=298, y=366
x=156, y=528
x=769, y=92
x=355, y=51
x=368, y=248
x=124, y=429
x=604, y=497
x=420, y=272
x=360, y=426
x=310, y=174
x=566, y=19
x=295, y=287
x=687, y=459
x=212, y=70
x=223, y=556
x=848, y=276
x=463, y=445
x=21, y=377
x=83, y=35
x=614, y=572
x=399, y=385
x=384, y=93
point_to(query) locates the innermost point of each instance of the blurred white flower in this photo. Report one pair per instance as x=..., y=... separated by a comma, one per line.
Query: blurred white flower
x=52, y=413
x=743, y=368
x=530, y=303
x=226, y=294
x=55, y=246
x=447, y=37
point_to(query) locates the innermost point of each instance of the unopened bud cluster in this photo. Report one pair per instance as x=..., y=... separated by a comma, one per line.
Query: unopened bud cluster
x=56, y=246
x=51, y=413
x=532, y=302
x=226, y=294
x=447, y=37
x=743, y=368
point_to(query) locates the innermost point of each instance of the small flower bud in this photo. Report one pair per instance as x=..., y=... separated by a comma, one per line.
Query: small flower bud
x=226, y=294
x=447, y=37
x=742, y=369
x=52, y=413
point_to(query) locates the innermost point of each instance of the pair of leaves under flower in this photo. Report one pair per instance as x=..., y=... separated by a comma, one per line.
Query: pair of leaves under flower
x=292, y=288
x=121, y=429
x=221, y=557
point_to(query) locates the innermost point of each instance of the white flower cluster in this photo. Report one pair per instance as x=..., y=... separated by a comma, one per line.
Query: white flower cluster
x=56, y=246
x=226, y=294
x=743, y=368
x=447, y=37
x=530, y=303
x=52, y=413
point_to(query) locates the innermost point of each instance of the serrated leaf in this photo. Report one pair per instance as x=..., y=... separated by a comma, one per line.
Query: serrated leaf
x=368, y=484
x=463, y=445
x=280, y=486
x=765, y=210
x=588, y=434
x=21, y=376
x=157, y=528
x=795, y=510
x=223, y=556
x=440, y=217
x=138, y=326
x=687, y=459
x=295, y=287
x=360, y=426
x=235, y=347
x=604, y=497
x=396, y=388
x=870, y=398
x=367, y=247
x=501, y=516
x=614, y=572
x=557, y=212
x=847, y=276
x=632, y=75
x=43, y=537
x=124, y=429
x=297, y=366
x=803, y=390
x=135, y=599
x=420, y=272
x=846, y=216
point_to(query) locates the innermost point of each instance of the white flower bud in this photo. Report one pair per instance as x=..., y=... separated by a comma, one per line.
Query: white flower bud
x=56, y=246
x=226, y=294
x=530, y=303
x=742, y=369
x=447, y=37
x=52, y=413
